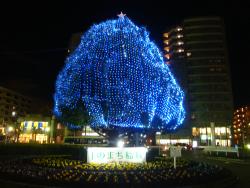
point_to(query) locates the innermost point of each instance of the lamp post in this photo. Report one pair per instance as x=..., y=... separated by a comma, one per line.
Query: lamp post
x=16, y=128
x=5, y=130
x=9, y=131
x=47, y=130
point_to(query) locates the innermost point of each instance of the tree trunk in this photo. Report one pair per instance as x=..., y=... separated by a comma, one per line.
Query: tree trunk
x=137, y=139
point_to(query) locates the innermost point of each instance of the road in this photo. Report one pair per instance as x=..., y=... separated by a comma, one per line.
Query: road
x=240, y=168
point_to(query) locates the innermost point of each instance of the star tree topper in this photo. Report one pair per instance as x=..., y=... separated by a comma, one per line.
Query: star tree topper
x=121, y=15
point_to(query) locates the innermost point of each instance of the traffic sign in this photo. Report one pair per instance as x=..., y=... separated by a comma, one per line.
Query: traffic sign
x=175, y=151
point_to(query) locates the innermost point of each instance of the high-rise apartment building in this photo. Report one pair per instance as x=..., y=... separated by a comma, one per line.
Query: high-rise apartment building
x=15, y=114
x=241, y=126
x=12, y=106
x=196, y=52
x=13, y=102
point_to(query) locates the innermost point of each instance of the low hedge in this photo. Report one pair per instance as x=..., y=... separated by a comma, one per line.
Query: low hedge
x=75, y=151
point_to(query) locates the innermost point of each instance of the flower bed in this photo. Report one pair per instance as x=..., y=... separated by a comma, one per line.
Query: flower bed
x=61, y=171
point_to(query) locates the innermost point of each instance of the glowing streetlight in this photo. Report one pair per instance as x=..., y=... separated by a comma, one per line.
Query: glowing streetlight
x=47, y=129
x=13, y=113
x=120, y=143
x=10, y=129
x=248, y=146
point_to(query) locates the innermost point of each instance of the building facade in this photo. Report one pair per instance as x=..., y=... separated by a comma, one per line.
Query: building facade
x=241, y=126
x=36, y=128
x=196, y=52
x=16, y=123
x=12, y=106
x=10, y=102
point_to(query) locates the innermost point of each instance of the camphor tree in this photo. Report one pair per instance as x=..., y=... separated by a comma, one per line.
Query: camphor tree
x=117, y=78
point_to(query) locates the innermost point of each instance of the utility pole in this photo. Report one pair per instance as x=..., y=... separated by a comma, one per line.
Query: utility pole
x=212, y=133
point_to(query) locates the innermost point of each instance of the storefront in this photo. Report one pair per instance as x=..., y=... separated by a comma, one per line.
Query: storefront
x=34, y=132
x=207, y=136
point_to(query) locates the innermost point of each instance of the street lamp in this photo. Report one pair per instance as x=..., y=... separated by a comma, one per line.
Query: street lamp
x=120, y=143
x=8, y=133
x=13, y=114
x=47, y=129
x=10, y=129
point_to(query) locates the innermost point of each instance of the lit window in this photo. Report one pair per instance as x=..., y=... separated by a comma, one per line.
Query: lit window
x=223, y=130
x=166, y=49
x=239, y=130
x=166, y=42
x=208, y=130
x=179, y=36
x=203, y=130
x=167, y=56
x=165, y=35
x=195, y=131
x=180, y=50
x=217, y=131
x=180, y=43
x=203, y=137
x=189, y=54
x=59, y=126
x=179, y=28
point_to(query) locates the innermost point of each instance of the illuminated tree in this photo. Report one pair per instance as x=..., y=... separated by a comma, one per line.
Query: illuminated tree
x=118, y=77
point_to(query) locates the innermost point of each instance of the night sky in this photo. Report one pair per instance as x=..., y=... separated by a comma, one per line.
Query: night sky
x=34, y=36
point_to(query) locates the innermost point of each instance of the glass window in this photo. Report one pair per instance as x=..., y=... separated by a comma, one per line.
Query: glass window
x=223, y=130
x=202, y=130
x=208, y=130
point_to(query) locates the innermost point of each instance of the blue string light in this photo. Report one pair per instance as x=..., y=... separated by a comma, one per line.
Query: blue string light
x=118, y=75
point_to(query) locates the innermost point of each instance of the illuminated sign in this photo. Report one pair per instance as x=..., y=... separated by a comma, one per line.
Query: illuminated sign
x=90, y=134
x=113, y=154
x=29, y=125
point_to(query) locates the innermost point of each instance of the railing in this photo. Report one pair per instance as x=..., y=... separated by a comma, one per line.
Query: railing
x=217, y=149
